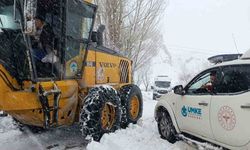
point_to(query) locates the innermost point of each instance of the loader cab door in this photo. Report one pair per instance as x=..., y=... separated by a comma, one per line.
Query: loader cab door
x=46, y=42
x=71, y=22
x=79, y=24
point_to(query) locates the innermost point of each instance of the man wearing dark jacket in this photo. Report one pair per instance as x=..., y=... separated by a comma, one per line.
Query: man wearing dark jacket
x=43, y=44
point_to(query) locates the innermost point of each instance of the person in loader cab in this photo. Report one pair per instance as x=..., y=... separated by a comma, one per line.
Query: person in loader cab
x=43, y=41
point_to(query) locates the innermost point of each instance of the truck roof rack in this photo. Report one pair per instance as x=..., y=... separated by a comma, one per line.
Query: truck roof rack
x=224, y=57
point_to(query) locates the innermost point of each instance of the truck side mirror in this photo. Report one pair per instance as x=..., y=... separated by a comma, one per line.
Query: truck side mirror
x=152, y=87
x=179, y=90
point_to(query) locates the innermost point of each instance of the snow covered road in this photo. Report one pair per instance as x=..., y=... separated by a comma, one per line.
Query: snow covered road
x=142, y=136
x=62, y=138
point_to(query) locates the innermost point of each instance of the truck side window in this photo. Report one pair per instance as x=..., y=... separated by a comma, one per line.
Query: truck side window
x=205, y=83
x=195, y=86
x=235, y=79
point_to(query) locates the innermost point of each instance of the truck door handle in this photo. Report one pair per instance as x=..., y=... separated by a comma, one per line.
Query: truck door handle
x=203, y=104
x=246, y=106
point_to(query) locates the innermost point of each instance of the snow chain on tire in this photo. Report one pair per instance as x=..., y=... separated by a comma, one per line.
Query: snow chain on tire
x=128, y=94
x=101, y=105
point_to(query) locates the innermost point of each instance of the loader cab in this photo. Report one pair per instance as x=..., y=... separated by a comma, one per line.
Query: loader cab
x=13, y=56
x=72, y=23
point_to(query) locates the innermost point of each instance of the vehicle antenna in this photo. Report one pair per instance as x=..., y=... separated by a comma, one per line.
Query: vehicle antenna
x=235, y=44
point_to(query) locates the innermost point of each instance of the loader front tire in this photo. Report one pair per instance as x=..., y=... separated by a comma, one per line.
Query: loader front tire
x=132, y=104
x=100, y=113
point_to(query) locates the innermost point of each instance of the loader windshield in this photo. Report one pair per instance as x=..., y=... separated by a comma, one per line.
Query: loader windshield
x=12, y=46
x=79, y=25
x=7, y=17
x=79, y=20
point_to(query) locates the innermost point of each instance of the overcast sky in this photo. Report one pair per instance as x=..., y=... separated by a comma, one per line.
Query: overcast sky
x=195, y=30
x=207, y=26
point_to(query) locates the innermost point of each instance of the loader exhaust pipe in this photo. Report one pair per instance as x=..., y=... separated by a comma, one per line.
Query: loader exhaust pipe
x=97, y=36
x=100, y=35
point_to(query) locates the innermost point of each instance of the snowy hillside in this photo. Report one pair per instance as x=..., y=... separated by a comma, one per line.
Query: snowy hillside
x=183, y=62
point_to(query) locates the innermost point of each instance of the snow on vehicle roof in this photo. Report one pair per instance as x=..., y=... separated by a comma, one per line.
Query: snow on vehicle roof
x=227, y=63
x=244, y=59
x=246, y=55
x=234, y=62
x=162, y=76
x=224, y=57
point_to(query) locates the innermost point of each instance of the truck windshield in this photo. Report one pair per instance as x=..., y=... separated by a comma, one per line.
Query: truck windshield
x=162, y=84
x=6, y=15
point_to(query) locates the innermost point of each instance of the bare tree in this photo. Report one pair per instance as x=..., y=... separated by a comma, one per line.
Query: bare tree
x=187, y=74
x=146, y=80
x=132, y=27
x=184, y=77
x=138, y=79
x=110, y=13
x=143, y=76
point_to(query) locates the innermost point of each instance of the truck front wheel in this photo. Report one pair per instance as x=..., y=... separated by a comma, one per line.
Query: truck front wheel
x=165, y=126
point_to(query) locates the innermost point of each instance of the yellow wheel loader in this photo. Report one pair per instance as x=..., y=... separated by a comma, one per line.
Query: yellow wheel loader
x=85, y=82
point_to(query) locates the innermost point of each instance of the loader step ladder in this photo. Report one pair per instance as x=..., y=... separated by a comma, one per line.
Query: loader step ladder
x=43, y=97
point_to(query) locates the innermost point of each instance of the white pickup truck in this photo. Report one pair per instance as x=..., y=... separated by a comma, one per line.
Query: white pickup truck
x=219, y=115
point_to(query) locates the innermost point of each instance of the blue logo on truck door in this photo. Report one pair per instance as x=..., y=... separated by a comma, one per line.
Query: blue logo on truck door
x=191, y=112
x=184, y=111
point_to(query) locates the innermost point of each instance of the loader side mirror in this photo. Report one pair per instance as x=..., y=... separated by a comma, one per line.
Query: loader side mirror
x=179, y=90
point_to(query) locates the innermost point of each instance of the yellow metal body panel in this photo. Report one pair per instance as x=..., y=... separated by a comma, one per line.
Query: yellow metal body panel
x=100, y=68
x=89, y=75
x=89, y=1
x=107, y=68
x=3, y=87
x=104, y=68
x=26, y=107
x=78, y=61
